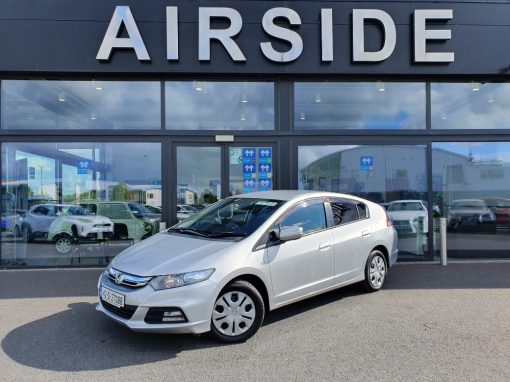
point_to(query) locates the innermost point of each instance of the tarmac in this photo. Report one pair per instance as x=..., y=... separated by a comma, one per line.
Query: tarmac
x=429, y=323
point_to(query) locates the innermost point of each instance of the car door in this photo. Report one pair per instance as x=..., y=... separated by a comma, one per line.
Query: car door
x=303, y=266
x=351, y=234
x=42, y=217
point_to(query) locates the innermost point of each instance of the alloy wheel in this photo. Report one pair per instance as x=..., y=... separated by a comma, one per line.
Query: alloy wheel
x=64, y=244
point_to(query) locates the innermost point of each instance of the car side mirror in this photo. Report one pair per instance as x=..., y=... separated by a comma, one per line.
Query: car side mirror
x=288, y=233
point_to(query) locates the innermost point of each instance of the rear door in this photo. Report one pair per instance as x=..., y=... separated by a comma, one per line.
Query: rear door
x=351, y=238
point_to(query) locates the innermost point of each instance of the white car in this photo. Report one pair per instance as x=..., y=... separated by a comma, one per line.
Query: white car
x=184, y=212
x=62, y=224
x=409, y=216
x=225, y=267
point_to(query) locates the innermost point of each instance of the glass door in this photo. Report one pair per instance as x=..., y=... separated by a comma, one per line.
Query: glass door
x=206, y=173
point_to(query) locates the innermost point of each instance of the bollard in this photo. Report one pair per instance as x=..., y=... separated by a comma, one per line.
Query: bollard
x=442, y=238
x=162, y=226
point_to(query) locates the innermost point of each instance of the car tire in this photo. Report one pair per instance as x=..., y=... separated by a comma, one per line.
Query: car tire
x=238, y=313
x=376, y=270
x=64, y=243
x=26, y=233
x=16, y=231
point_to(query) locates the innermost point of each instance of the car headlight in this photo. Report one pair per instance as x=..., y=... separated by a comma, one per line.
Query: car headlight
x=180, y=279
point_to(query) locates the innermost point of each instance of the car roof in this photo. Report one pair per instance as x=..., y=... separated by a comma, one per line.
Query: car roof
x=407, y=201
x=288, y=195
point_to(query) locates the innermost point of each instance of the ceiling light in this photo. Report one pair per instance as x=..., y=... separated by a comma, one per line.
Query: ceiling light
x=243, y=117
x=443, y=117
x=381, y=86
x=475, y=86
x=244, y=99
x=302, y=116
x=98, y=85
x=318, y=98
x=93, y=116
x=491, y=98
x=30, y=117
x=62, y=97
x=198, y=87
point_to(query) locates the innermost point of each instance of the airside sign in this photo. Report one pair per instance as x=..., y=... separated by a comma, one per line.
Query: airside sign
x=271, y=23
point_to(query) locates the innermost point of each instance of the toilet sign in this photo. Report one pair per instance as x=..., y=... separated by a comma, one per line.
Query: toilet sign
x=257, y=168
x=84, y=166
x=366, y=163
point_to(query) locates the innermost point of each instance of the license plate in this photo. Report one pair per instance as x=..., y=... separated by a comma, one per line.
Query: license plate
x=111, y=297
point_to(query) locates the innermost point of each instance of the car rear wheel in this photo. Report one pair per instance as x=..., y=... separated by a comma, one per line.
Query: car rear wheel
x=64, y=243
x=26, y=233
x=238, y=313
x=376, y=270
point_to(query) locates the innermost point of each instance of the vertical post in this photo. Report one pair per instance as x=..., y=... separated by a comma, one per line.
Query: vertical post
x=442, y=238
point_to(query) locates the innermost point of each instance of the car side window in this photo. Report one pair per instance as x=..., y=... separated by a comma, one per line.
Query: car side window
x=41, y=210
x=362, y=210
x=343, y=212
x=310, y=216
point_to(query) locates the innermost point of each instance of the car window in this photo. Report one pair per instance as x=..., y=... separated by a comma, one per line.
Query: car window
x=344, y=212
x=309, y=216
x=41, y=210
x=405, y=206
x=362, y=210
x=115, y=211
x=77, y=211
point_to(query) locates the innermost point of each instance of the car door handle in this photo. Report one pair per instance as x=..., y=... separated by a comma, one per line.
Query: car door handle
x=365, y=233
x=324, y=246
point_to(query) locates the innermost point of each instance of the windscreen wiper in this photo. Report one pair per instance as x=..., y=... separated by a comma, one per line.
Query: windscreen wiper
x=192, y=231
x=227, y=234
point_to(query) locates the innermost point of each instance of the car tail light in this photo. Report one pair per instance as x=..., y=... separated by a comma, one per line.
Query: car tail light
x=388, y=221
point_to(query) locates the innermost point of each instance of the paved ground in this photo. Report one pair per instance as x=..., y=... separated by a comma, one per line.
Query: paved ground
x=431, y=323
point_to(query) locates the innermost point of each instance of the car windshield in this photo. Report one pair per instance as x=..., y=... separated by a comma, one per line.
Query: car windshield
x=78, y=211
x=138, y=208
x=405, y=206
x=468, y=205
x=234, y=217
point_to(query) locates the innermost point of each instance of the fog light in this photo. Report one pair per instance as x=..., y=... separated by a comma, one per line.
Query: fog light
x=168, y=315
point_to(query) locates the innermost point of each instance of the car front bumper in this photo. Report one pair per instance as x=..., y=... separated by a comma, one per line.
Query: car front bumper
x=195, y=301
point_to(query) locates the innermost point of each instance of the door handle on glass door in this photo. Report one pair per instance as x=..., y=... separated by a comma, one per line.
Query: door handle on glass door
x=365, y=233
x=324, y=246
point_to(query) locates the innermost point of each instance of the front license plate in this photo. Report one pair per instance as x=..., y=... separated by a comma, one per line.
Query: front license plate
x=111, y=297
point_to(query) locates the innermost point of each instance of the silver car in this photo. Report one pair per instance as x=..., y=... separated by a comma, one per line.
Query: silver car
x=225, y=267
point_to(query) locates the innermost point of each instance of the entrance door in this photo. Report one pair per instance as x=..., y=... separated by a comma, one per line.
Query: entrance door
x=206, y=173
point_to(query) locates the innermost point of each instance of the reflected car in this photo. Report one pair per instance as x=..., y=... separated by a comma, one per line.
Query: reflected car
x=153, y=209
x=131, y=221
x=63, y=224
x=221, y=270
x=184, y=212
x=409, y=216
x=470, y=214
x=501, y=208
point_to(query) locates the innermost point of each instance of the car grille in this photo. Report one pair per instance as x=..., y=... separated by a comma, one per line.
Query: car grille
x=126, y=279
x=126, y=312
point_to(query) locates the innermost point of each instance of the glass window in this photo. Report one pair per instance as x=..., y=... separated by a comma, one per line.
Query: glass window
x=382, y=174
x=359, y=105
x=251, y=169
x=198, y=179
x=344, y=212
x=84, y=105
x=206, y=105
x=476, y=206
x=43, y=210
x=362, y=211
x=471, y=105
x=309, y=216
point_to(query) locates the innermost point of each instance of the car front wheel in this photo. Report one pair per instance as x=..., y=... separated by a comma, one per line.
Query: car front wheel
x=64, y=244
x=238, y=313
x=376, y=270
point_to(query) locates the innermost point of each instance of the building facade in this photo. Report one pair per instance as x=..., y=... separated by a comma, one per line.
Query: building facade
x=145, y=113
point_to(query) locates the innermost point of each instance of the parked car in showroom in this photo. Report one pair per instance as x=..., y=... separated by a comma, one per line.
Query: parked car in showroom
x=501, y=208
x=132, y=221
x=225, y=267
x=409, y=216
x=470, y=214
x=184, y=211
x=62, y=224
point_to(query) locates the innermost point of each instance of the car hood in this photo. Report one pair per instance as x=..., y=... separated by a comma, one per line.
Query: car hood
x=165, y=253
x=406, y=215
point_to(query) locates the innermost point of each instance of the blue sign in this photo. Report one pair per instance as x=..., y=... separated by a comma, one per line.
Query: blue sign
x=250, y=185
x=265, y=154
x=265, y=170
x=84, y=166
x=249, y=155
x=265, y=184
x=366, y=163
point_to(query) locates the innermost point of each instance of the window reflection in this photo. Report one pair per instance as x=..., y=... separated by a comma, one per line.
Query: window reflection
x=470, y=183
x=359, y=105
x=207, y=105
x=31, y=104
x=471, y=105
x=393, y=176
x=76, y=203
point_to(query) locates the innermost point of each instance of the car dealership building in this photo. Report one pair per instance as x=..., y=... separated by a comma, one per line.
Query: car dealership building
x=144, y=112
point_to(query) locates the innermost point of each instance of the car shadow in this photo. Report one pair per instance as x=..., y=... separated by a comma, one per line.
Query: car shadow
x=81, y=339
